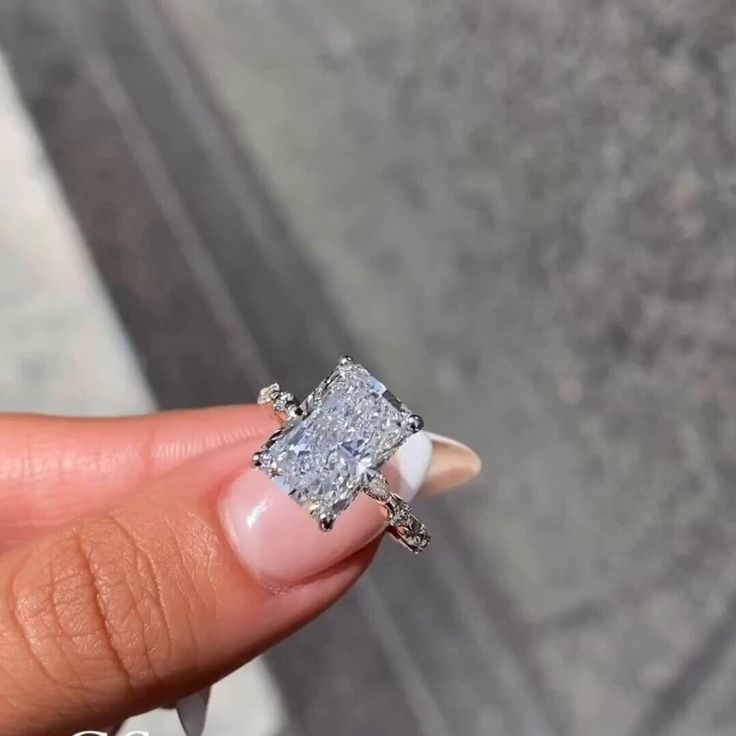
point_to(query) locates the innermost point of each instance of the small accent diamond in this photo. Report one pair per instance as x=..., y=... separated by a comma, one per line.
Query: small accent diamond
x=268, y=394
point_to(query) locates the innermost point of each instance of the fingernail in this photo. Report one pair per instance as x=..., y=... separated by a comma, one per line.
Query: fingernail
x=282, y=545
x=192, y=712
x=453, y=464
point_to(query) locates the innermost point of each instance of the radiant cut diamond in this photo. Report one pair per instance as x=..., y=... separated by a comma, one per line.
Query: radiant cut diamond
x=348, y=427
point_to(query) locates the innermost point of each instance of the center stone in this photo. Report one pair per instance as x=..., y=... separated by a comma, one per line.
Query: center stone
x=350, y=425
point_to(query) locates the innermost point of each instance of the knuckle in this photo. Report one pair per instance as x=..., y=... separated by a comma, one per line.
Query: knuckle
x=89, y=611
x=122, y=599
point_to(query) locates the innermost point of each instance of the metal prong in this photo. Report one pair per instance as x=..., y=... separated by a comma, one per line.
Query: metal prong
x=289, y=407
x=414, y=423
x=326, y=522
x=346, y=360
x=257, y=459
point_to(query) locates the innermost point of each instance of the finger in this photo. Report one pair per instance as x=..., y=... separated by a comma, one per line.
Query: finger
x=189, y=578
x=55, y=469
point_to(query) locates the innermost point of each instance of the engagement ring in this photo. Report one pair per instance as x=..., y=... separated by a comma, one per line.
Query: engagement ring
x=331, y=447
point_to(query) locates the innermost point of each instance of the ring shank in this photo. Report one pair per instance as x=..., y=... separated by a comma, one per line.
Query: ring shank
x=403, y=525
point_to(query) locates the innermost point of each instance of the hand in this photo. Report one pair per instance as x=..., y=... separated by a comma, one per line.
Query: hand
x=142, y=559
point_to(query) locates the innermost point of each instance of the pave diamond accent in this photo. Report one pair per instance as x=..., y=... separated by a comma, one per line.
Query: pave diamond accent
x=345, y=430
x=268, y=394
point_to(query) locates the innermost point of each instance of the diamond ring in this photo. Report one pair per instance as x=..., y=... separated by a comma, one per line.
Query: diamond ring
x=332, y=445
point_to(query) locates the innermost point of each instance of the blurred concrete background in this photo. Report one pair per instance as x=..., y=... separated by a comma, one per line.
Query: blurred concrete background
x=62, y=350
x=524, y=213
x=526, y=210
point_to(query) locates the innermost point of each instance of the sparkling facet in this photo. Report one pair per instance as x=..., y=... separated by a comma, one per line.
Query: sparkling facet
x=350, y=425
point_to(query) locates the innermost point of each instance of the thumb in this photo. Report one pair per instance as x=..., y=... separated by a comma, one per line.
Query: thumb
x=196, y=574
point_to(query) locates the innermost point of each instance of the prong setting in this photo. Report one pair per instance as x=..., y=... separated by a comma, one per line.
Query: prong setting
x=414, y=423
x=285, y=403
x=331, y=446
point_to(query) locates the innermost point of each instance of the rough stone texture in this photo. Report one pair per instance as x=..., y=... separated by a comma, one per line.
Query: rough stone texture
x=543, y=194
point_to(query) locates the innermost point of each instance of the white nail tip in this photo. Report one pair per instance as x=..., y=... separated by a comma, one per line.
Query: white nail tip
x=412, y=461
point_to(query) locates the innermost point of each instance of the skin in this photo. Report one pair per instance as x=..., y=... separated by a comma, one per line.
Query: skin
x=119, y=587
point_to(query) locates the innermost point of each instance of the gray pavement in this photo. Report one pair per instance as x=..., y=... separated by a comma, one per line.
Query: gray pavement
x=525, y=212
x=62, y=350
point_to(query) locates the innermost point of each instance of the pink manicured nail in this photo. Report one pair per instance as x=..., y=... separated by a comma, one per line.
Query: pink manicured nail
x=282, y=545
